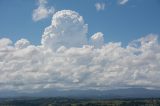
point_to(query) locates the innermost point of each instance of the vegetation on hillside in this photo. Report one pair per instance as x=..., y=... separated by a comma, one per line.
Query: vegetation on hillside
x=79, y=102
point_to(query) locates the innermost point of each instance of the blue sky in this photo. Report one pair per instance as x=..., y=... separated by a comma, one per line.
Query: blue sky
x=119, y=23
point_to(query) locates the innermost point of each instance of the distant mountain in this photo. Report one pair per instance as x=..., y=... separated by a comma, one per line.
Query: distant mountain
x=107, y=94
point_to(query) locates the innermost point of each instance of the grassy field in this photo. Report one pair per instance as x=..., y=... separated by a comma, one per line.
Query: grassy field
x=78, y=102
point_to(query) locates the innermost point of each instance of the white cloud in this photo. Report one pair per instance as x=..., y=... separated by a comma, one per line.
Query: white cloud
x=22, y=43
x=67, y=29
x=97, y=39
x=122, y=2
x=62, y=62
x=100, y=6
x=42, y=11
x=5, y=42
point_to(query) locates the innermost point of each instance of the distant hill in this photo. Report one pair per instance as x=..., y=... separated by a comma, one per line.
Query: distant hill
x=107, y=94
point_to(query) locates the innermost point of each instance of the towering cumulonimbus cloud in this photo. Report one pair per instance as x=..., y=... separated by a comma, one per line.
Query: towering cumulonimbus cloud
x=67, y=29
x=66, y=60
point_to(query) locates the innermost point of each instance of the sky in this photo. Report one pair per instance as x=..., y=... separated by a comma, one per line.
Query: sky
x=119, y=22
x=79, y=44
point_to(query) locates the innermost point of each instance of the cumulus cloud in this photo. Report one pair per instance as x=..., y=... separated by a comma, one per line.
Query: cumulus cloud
x=67, y=29
x=97, y=39
x=122, y=2
x=42, y=11
x=100, y=6
x=22, y=43
x=5, y=42
x=66, y=60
